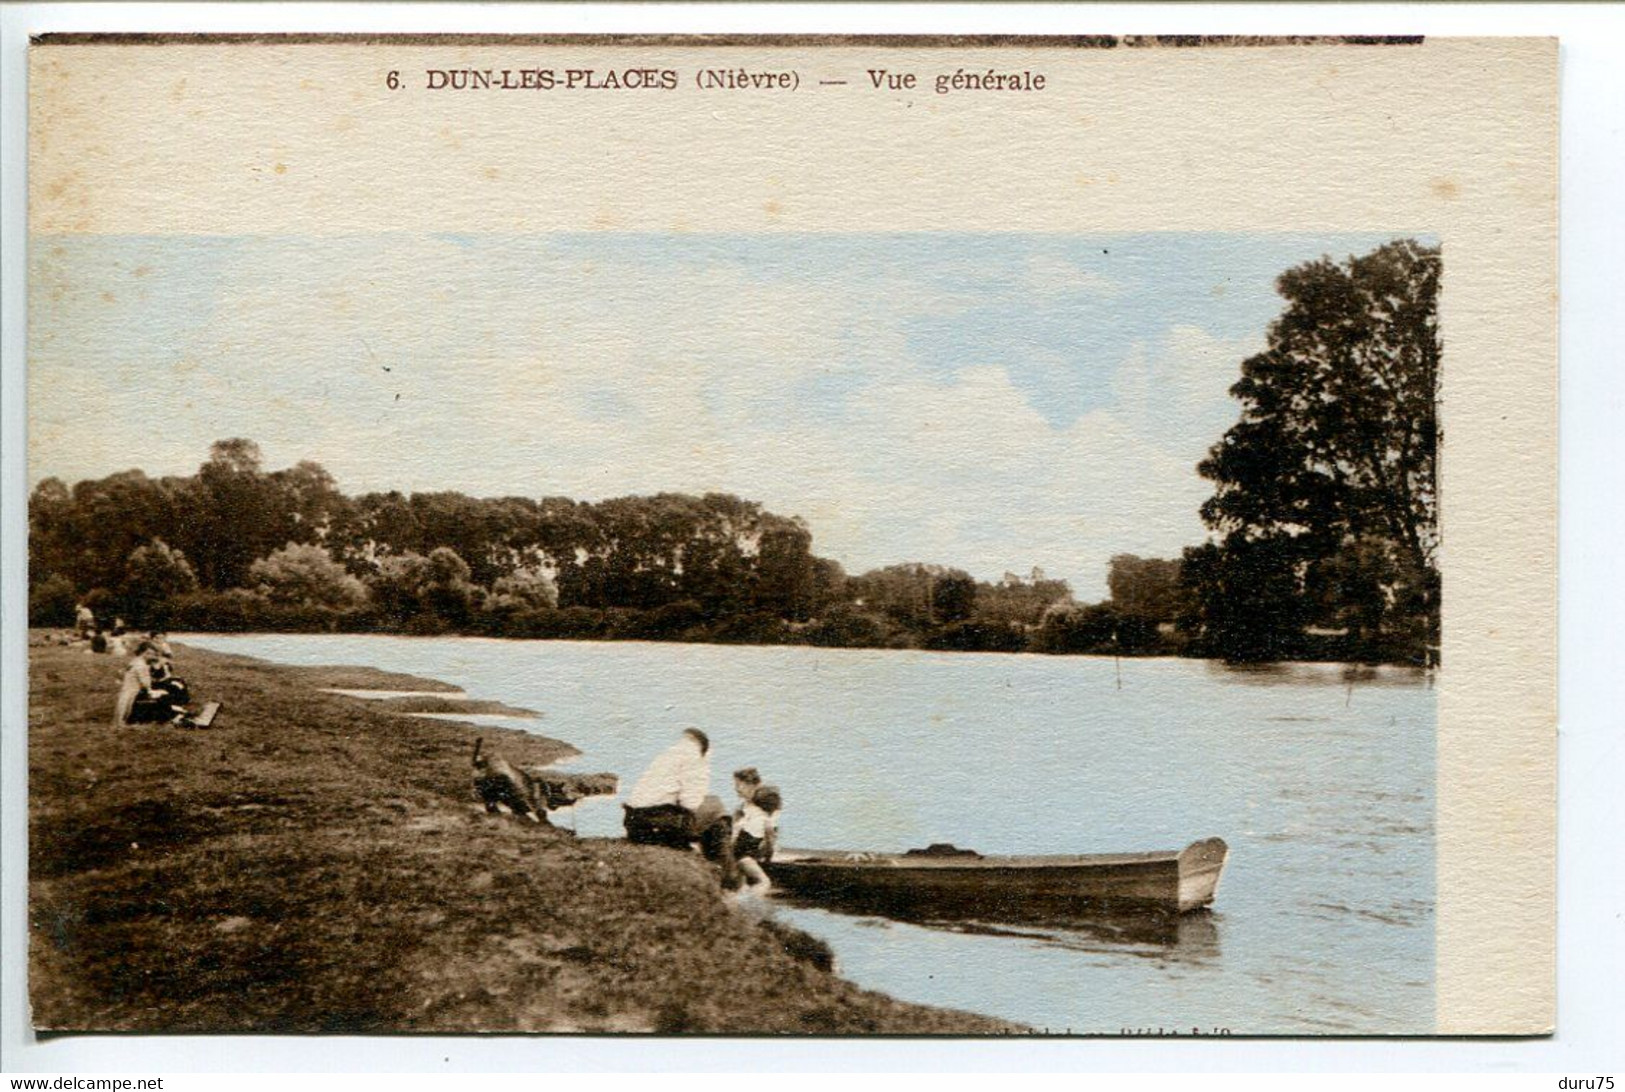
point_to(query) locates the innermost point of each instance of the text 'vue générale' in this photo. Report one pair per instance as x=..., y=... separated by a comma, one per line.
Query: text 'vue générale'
x=732, y=78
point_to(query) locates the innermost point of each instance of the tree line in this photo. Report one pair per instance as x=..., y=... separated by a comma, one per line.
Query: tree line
x=1322, y=545
x=237, y=547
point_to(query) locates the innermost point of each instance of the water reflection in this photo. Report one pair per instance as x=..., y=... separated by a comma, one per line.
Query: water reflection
x=1322, y=674
x=1183, y=938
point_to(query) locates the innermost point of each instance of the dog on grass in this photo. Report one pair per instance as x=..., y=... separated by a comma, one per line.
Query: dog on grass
x=497, y=781
x=529, y=792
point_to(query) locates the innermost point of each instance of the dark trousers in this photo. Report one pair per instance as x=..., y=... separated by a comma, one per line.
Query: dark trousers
x=158, y=709
x=662, y=825
x=163, y=703
x=673, y=826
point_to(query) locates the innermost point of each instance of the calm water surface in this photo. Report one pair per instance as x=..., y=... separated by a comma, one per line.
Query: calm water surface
x=1320, y=777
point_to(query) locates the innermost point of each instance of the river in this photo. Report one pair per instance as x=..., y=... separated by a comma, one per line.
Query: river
x=1320, y=777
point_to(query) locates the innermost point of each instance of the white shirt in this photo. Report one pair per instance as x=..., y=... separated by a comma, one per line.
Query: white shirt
x=679, y=775
x=755, y=822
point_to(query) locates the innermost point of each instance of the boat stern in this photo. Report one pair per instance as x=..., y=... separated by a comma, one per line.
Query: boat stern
x=1201, y=866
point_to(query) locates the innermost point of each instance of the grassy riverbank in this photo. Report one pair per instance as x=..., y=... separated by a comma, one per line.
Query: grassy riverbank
x=317, y=863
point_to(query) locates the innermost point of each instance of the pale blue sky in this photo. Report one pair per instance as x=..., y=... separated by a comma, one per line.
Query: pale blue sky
x=991, y=401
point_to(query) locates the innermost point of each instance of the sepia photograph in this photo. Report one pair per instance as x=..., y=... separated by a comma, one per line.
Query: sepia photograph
x=583, y=618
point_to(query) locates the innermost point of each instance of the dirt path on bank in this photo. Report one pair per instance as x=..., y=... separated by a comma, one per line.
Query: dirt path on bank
x=317, y=863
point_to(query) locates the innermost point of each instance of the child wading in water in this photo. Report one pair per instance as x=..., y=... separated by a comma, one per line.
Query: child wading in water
x=756, y=827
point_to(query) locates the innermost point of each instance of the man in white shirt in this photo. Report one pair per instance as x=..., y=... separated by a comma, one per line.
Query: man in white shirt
x=671, y=805
x=679, y=776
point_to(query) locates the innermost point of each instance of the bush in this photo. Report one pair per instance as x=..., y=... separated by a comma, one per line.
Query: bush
x=848, y=627
x=305, y=574
x=394, y=587
x=1103, y=629
x=448, y=591
x=1079, y=629
x=1137, y=634
x=532, y=589
x=499, y=616
x=518, y=605
x=978, y=637
x=51, y=602
x=665, y=623
x=758, y=628
x=577, y=623
x=154, y=578
x=307, y=618
x=524, y=623
x=238, y=610
x=424, y=595
x=235, y=610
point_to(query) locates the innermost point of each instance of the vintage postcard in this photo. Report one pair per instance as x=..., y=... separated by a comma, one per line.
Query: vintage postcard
x=792, y=536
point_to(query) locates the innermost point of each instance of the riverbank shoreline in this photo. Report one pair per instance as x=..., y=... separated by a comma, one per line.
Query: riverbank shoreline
x=1305, y=649
x=317, y=863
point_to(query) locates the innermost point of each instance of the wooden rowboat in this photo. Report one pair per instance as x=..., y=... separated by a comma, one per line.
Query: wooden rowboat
x=953, y=883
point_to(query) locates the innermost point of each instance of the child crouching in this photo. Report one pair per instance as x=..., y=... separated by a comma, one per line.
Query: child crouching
x=756, y=831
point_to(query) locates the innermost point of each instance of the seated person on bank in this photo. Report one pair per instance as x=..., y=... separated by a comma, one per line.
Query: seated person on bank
x=670, y=805
x=151, y=694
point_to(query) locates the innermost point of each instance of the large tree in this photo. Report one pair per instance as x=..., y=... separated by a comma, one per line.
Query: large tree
x=234, y=512
x=1337, y=446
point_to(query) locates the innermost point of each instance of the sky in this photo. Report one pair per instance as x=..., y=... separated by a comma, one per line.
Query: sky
x=994, y=402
